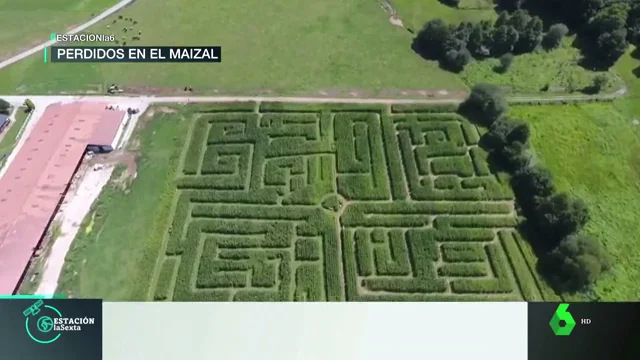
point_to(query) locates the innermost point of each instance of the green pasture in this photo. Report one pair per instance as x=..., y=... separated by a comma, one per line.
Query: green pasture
x=26, y=23
x=414, y=13
x=275, y=47
x=592, y=151
x=555, y=71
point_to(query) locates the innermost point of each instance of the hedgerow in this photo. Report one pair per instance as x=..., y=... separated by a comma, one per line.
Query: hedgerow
x=277, y=106
x=499, y=284
x=463, y=270
x=307, y=249
x=424, y=108
x=523, y=276
x=261, y=209
x=222, y=107
x=165, y=278
x=452, y=252
x=194, y=153
x=308, y=284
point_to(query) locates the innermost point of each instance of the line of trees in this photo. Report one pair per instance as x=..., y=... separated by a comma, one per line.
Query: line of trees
x=608, y=25
x=455, y=45
x=571, y=260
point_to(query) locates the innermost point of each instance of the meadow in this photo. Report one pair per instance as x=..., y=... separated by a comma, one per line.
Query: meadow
x=546, y=72
x=26, y=23
x=592, y=151
x=297, y=202
x=276, y=47
x=332, y=48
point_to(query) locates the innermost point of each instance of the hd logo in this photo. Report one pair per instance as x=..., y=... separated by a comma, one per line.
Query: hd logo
x=560, y=315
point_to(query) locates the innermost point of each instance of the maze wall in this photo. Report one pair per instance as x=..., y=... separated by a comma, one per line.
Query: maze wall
x=281, y=202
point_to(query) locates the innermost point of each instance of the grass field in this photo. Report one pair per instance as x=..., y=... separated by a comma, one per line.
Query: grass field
x=307, y=202
x=414, y=13
x=530, y=73
x=10, y=137
x=26, y=23
x=279, y=46
x=592, y=150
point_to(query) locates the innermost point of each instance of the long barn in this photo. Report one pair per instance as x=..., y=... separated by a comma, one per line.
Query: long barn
x=36, y=181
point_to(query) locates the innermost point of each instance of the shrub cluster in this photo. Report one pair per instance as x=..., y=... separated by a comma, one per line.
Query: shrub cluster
x=609, y=25
x=455, y=46
x=574, y=260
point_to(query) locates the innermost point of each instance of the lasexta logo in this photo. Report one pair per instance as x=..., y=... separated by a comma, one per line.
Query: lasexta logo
x=562, y=323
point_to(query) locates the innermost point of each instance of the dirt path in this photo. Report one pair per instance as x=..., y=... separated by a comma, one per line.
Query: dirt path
x=72, y=213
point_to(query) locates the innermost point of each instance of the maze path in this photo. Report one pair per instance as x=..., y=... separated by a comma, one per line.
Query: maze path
x=351, y=204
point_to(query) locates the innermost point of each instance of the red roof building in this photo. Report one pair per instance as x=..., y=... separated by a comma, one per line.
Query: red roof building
x=35, y=182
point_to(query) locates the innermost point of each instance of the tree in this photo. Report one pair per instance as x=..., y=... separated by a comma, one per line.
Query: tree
x=535, y=181
x=633, y=24
x=505, y=38
x=463, y=31
x=456, y=60
x=612, y=45
x=600, y=82
x=503, y=19
x=530, y=37
x=559, y=215
x=497, y=137
x=519, y=20
x=476, y=41
x=486, y=103
x=609, y=19
x=510, y=5
x=576, y=262
x=479, y=40
x=505, y=62
x=432, y=37
x=554, y=36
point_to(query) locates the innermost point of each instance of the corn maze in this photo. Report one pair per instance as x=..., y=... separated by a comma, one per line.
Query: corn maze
x=339, y=202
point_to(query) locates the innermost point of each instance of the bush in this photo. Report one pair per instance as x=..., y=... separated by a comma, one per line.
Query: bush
x=576, y=263
x=505, y=62
x=559, y=216
x=456, y=60
x=534, y=181
x=486, y=104
x=553, y=37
